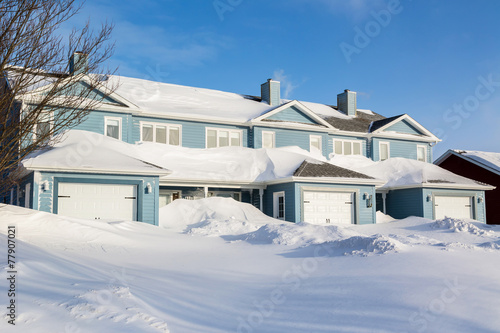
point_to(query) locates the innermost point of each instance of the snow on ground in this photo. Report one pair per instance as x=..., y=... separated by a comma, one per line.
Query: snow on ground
x=216, y=265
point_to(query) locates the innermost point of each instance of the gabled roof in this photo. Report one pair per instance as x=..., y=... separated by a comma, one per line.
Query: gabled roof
x=302, y=108
x=487, y=160
x=360, y=123
x=378, y=127
x=310, y=168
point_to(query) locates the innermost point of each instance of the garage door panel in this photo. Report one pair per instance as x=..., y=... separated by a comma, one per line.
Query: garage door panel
x=453, y=206
x=98, y=201
x=328, y=207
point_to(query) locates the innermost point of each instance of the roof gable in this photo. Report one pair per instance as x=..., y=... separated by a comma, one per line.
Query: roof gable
x=486, y=160
x=294, y=112
x=402, y=124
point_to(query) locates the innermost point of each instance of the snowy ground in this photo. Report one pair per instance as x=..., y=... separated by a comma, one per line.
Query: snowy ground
x=220, y=266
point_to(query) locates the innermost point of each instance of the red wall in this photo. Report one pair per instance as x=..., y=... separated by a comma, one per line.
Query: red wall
x=467, y=169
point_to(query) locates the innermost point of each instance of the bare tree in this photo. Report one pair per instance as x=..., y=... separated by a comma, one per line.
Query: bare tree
x=41, y=92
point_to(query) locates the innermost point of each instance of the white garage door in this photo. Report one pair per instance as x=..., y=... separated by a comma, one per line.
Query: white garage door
x=457, y=207
x=98, y=201
x=328, y=207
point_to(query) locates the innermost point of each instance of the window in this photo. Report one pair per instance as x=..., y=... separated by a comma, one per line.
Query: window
x=43, y=127
x=347, y=147
x=315, y=143
x=268, y=139
x=161, y=133
x=384, y=151
x=112, y=127
x=217, y=137
x=422, y=153
x=279, y=205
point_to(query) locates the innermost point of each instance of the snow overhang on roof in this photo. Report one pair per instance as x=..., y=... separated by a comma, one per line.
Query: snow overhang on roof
x=487, y=160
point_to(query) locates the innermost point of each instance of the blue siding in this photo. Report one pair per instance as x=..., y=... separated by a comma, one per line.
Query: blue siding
x=479, y=208
x=95, y=123
x=403, y=203
x=403, y=126
x=332, y=137
x=289, y=137
x=147, y=210
x=400, y=148
x=292, y=114
x=290, y=200
x=193, y=133
x=363, y=213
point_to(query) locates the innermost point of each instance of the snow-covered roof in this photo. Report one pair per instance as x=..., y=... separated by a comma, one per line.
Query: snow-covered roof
x=82, y=151
x=403, y=172
x=486, y=159
x=87, y=152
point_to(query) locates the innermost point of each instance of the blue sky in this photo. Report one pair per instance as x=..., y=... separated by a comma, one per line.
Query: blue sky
x=437, y=60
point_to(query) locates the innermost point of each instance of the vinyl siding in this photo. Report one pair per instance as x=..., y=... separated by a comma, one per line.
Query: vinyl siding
x=288, y=137
x=403, y=126
x=403, y=203
x=292, y=114
x=400, y=148
x=290, y=200
x=193, y=133
x=95, y=123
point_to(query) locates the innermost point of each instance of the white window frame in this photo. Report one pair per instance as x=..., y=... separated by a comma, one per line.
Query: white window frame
x=119, y=126
x=218, y=130
x=276, y=196
x=50, y=120
x=425, y=152
x=168, y=126
x=380, y=150
x=274, y=138
x=311, y=137
x=351, y=142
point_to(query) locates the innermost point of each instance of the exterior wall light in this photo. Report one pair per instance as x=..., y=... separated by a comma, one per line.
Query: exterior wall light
x=149, y=189
x=429, y=198
x=480, y=199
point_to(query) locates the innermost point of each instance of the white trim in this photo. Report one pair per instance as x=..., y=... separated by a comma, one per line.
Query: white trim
x=50, y=120
x=425, y=152
x=276, y=196
x=162, y=172
x=311, y=137
x=415, y=123
x=119, y=125
x=380, y=143
x=167, y=181
x=298, y=105
x=327, y=180
x=220, y=129
x=273, y=134
x=27, y=195
x=443, y=185
x=168, y=126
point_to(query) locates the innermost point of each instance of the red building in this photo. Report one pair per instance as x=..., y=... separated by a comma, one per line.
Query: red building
x=480, y=166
